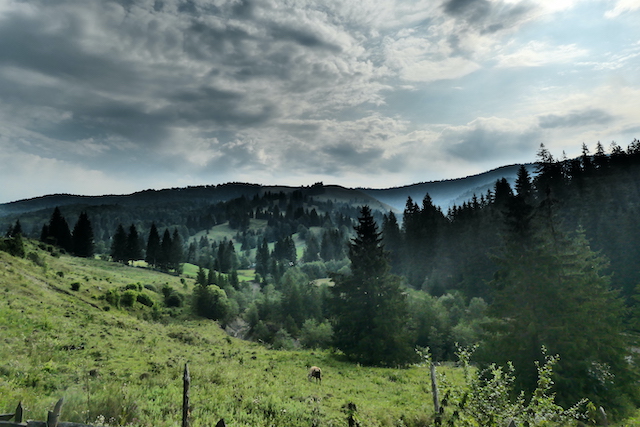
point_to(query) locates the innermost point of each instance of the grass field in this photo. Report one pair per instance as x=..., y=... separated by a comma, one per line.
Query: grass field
x=124, y=366
x=121, y=366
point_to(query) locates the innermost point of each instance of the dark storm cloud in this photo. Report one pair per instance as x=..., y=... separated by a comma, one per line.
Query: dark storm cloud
x=592, y=116
x=485, y=139
x=484, y=16
x=29, y=42
x=351, y=156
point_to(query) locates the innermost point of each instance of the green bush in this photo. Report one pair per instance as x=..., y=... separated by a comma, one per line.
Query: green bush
x=128, y=298
x=113, y=297
x=173, y=300
x=75, y=286
x=316, y=335
x=144, y=299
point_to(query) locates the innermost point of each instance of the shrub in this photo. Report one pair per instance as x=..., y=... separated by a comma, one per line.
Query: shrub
x=13, y=246
x=36, y=259
x=128, y=298
x=316, y=335
x=488, y=398
x=151, y=288
x=113, y=297
x=75, y=286
x=144, y=299
x=173, y=300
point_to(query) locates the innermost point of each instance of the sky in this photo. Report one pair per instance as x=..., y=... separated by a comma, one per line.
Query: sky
x=112, y=97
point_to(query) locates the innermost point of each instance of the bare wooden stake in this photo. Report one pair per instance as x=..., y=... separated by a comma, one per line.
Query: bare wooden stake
x=185, y=396
x=54, y=416
x=18, y=415
x=434, y=389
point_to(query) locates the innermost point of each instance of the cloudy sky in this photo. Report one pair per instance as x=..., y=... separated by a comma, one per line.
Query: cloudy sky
x=118, y=96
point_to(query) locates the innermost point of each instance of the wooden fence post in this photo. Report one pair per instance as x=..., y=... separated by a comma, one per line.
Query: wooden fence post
x=434, y=391
x=54, y=416
x=185, y=396
x=18, y=414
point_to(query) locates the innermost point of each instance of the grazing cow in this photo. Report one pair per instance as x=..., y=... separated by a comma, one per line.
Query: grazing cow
x=316, y=373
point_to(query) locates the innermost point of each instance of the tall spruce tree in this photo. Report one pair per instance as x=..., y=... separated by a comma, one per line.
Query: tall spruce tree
x=176, y=256
x=153, y=246
x=82, y=236
x=58, y=232
x=369, y=305
x=119, y=245
x=549, y=291
x=164, y=259
x=134, y=250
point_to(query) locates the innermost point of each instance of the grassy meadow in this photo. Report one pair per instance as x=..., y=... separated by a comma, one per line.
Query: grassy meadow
x=124, y=366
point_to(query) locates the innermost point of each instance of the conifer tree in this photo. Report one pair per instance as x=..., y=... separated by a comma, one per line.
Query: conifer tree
x=549, y=291
x=153, y=246
x=312, y=249
x=119, y=245
x=262, y=259
x=164, y=259
x=134, y=251
x=176, y=252
x=13, y=231
x=369, y=304
x=58, y=232
x=83, y=243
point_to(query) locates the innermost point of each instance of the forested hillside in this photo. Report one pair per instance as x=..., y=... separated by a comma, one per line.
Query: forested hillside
x=546, y=265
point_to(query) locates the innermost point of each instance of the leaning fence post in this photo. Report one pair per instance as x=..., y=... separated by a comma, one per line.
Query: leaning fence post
x=185, y=396
x=434, y=391
x=18, y=414
x=54, y=416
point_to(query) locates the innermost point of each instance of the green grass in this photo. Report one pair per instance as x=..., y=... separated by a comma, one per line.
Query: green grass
x=123, y=366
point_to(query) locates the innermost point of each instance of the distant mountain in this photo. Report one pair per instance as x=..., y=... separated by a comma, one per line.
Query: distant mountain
x=446, y=193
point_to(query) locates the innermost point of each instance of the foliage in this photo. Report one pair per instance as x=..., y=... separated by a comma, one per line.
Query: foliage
x=13, y=245
x=82, y=237
x=369, y=306
x=550, y=292
x=488, y=398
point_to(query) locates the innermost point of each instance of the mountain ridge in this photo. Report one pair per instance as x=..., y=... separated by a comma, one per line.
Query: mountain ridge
x=444, y=193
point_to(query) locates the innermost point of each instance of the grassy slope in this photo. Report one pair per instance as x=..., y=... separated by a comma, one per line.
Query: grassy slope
x=53, y=337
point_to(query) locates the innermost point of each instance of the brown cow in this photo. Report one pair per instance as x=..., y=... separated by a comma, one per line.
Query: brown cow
x=315, y=372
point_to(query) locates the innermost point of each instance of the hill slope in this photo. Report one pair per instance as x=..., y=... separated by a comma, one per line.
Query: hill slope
x=122, y=365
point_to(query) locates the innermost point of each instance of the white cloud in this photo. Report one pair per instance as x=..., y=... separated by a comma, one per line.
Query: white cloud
x=537, y=53
x=621, y=7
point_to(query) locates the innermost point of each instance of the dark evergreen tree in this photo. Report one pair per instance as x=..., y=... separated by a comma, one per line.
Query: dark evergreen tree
x=58, y=232
x=312, y=249
x=153, y=246
x=119, y=245
x=549, y=291
x=176, y=251
x=83, y=240
x=262, y=259
x=369, y=304
x=134, y=250
x=422, y=233
x=164, y=259
x=392, y=238
x=14, y=230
